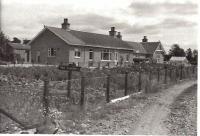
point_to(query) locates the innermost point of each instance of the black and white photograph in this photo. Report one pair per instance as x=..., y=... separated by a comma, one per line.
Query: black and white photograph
x=99, y=67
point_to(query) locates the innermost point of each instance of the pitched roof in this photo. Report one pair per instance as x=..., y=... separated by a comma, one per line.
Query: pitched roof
x=19, y=46
x=137, y=47
x=66, y=36
x=74, y=37
x=178, y=58
x=150, y=47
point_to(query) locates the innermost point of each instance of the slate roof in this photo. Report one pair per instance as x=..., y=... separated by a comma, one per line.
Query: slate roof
x=74, y=37
x=19, y=46
x=137, y=47
x=150, y=47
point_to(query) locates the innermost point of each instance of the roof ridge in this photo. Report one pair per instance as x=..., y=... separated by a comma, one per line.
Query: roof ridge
x=86, y=32
x=151, y=42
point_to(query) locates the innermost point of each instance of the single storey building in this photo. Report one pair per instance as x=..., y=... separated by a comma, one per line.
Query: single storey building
x=179, y=61
x=63, y=45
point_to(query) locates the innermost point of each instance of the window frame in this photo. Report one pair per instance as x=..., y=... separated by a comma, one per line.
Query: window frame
x=51, y=52
x=108, y=52
x=91, y=54
x=77, y=53
x=127, y=57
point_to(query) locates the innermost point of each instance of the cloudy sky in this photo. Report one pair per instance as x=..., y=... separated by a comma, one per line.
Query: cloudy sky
x=170, y=21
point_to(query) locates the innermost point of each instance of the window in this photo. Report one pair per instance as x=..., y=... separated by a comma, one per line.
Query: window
x=77, y=53
x=127, y=57
x=51, y=52
x=90, y=54
x=105, y=54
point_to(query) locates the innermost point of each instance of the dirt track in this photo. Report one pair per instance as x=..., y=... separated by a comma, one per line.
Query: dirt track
x=152, y=121
x=144, y=115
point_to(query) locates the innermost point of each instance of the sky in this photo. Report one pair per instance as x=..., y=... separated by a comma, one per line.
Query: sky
x=168, y=21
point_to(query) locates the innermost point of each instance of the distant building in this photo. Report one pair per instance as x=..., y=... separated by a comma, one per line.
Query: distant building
x=179, y=61
x=140, y=52
x=154, y=50
x=21, y=52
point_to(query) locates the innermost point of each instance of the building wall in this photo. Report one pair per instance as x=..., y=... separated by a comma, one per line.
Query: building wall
x=39, y=47
x=84, y=60
x=158, y=56
x=66, y=53
x=23, y=56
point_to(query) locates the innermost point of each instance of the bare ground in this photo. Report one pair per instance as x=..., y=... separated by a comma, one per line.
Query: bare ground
x=144, y=114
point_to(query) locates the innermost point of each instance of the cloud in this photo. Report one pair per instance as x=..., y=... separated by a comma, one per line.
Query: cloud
x=171, y=23
x=94, y=23
x=168, y=23
x=98, y=21
x=154, y=9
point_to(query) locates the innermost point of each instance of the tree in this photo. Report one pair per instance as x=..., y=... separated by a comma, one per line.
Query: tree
x=189, y=55
x=6, y=52
x=167, y=57
x=16, y=40
x=195, y=57
x=176, y=51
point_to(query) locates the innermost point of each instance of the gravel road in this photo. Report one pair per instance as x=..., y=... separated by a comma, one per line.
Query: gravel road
x=143, y=117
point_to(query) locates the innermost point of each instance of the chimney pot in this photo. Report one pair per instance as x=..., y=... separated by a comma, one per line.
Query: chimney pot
x=145, y=39
x=119, y=35
x=112, y=32
x=65, y=25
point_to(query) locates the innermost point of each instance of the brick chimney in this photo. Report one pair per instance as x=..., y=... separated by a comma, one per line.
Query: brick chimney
x=119, y=35
x=145, y=39
x=65, y=24
x=112, y=32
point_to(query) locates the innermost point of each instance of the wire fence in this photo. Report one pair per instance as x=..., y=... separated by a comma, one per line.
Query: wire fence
x=30, y=106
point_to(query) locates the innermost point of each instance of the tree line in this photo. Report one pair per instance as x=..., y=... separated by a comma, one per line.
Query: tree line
x=176, y=51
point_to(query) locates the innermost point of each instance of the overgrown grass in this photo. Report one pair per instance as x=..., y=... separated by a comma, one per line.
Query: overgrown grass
x=21, y=94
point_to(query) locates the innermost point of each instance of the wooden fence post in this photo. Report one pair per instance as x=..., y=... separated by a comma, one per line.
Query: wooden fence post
x=69, y=83
x=45, y=98
x=158, y=76
x=150, y=75
x=165, y=80
x=170, y=74
x=82, y=91
x=177, y=74
x=139, y=82
x=186, y=73
x=181, y=74
x=126, y=84
x=108, y=89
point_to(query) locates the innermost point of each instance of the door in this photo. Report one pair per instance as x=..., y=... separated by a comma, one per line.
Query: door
x=116, y=58
x=38, y=57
